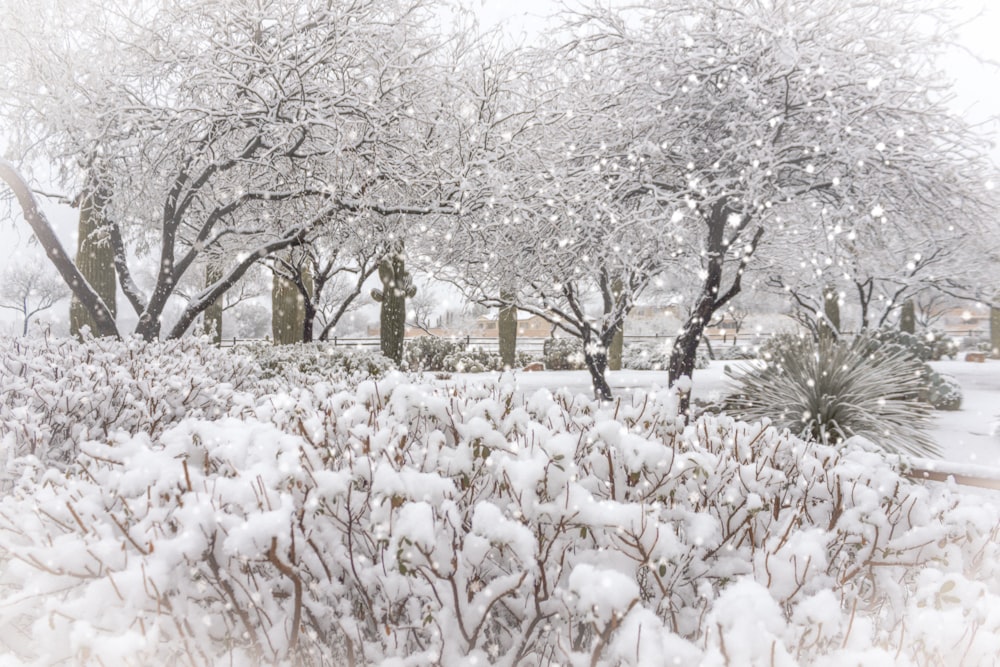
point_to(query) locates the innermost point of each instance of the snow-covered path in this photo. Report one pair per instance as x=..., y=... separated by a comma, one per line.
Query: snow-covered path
x=969, y=435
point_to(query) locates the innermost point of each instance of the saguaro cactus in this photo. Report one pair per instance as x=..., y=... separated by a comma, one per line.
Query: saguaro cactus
x=95, y=258
x=397, y=285
x=995, y=330
x=908, y=317
x=507, y=331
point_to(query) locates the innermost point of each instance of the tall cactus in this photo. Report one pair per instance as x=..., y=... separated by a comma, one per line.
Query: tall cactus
x=397, y=285
x=289, y=310
x=995, y=330
x=507, y=331
x=95, y=258
x=908, y=317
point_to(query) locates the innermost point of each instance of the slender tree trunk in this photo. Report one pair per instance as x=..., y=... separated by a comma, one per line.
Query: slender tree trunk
x=507, y=332
x=307, y=290
x=595, y=357
x=829, y=325
x=212, y=316
x=908, y=317
x=617, y=345
x=95, y=258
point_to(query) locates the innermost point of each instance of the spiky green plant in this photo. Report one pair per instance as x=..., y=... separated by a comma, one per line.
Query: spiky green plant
x=828, y=391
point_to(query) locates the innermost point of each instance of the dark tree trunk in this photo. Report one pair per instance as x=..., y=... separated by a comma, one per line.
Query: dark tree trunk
x=617, y=345
x=595, y=357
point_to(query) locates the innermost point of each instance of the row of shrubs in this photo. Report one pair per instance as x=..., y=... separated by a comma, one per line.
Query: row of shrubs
x=199, y=513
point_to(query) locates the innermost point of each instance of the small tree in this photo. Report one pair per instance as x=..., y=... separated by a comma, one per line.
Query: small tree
x=30, y=288
x=761, y=120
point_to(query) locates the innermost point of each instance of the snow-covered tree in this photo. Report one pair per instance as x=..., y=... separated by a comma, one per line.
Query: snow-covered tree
x=228, y=128
x=30, y=288
x=560, y=237
x=755, y=119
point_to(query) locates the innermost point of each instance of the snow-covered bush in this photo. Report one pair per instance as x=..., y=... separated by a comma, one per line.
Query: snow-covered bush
x=654, y=357
x=478, y=360
x=928, y=345
x=427, y=353
x=941, y=390
x=58, y=393
x=305, y=364
x=407, y=525
x=563, y=354
x=737, y=352
x=829, y=391
x=645, y=357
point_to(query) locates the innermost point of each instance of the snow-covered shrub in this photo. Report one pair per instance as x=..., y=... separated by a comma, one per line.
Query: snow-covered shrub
x=478, y=360
x=406, y=525
x=563, y=354
x=737, y=352
x=58, y=393
x=654, y=357
x=829, y=391
x=928, y=345
x=454, y=356
x=941, y=390
x=305, y=364
x=427, y=353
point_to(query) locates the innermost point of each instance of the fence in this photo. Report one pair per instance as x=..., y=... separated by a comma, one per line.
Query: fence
x=533, y=345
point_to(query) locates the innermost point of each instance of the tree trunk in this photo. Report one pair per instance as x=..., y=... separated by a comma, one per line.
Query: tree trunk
x=829, y=325
x=95, y=257
x=908, y=317
x=617, y=345
x=104, y=320
x=595, y=357
x=307, y=289
x=212, y=317
x=507, y=332
x=683, y=356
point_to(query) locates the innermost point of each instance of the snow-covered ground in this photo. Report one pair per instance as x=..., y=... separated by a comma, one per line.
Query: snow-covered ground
x=967, y=436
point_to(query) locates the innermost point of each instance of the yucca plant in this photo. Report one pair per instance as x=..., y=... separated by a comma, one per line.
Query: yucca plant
x=830, y=390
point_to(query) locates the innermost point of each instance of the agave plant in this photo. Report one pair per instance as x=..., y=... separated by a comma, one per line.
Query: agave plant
x=830, y=390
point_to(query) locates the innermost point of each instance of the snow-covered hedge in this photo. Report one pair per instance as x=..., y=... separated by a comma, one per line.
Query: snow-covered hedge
x=305, y=364
x=400, y=524
x=58, y=393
